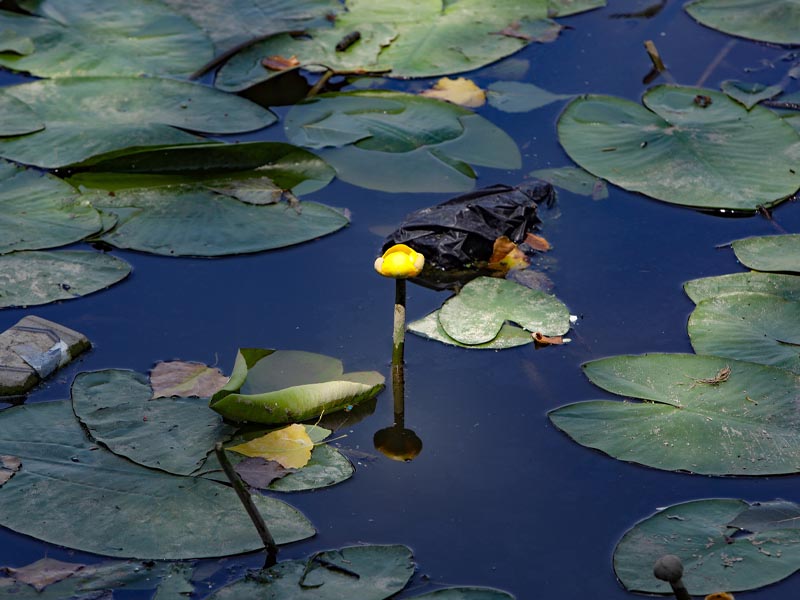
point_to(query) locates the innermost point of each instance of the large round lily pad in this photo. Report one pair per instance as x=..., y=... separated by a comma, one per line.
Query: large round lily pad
x=171, y=434
x=273, y=387
x=769, y=252
x=41, y=211
x=71, y=493
x=89, y=116
x=785, y=286
x=705, y=535
x=477, y=313
x=197, y=220
x=95, y=37
x=688, y=146
x=30, y=278
x=764, y=20
x=398, y=135
x=749, y=326
x=702, y=414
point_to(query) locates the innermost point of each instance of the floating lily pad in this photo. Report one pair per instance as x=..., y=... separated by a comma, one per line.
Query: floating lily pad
x=688, y=146
x=761, y=328
x=477, y=313
x=71, y=493
x=785, y=286
x=363, y=572
x=704, y=534
x=695, y=418
x=750, y=94
x=16, y=118
x=410, y=38
x=41, y=211
x=574, y=180
x=397, y=134
x=466, y=593
x=172, y=434
x=195, y=220
x=31, y=278
x=327, y=467
x=228, y=166
x=769, y=252
x=509, y=336
x=89, y=116
x=518, y=97
x=764, y=20
x=94, y=37
x=273, y=387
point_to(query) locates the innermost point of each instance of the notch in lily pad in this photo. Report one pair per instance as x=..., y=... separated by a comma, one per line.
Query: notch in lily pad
x=282, y=386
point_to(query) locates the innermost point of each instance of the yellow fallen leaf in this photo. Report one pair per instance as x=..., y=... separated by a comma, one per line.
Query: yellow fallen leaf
x=289, y=446
x=458, y=91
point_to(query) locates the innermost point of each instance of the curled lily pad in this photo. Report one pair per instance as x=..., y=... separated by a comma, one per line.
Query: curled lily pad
x=785, y=286
x=273, y=387
x=769, y=252
x=477, y=313
x=89, y=116
x=688, y=146
x=701, y=414
x=93, y=37
x=764, y=20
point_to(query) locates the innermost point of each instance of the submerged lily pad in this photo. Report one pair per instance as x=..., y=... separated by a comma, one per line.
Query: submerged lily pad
x=408, y=38
x=769, y=252
x=518, y=97
x=89, y=116
x=41, y=211
x=94, y=37
x=703, y=414
x=398, y=134
x=71, y=493
x=574, y=180
x=749, y=94
x=273, y=387
x=785, y=286
x=30, y=278
x=688, y=146
x=764, y=20
x=466, y=593
x=196, y=220
x=363, y=572
x=704, y=534
x=477, y=313
x=509, y=336
x=171, y=434
x=761, y=328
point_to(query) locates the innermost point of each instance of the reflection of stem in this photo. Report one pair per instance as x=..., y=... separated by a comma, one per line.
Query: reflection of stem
x=399, y=331
x=247, y=500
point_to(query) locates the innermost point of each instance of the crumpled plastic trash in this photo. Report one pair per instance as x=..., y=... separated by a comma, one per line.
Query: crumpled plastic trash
x=458, y=236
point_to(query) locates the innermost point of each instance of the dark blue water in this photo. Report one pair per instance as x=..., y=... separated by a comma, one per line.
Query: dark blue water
x=497, y=497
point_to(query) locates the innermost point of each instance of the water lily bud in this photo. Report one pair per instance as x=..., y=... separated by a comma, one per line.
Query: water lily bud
x=400, y=262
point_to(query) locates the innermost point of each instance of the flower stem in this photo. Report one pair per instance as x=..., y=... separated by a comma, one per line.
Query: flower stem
x=399, y=331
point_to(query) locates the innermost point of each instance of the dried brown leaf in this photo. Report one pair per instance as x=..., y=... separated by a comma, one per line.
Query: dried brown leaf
x=458, y=91
x=44, y=572
x=537, y=242
x=9, y=465
x=259, y=472
x=184, y=379
x=280, y=63
x=506, y=256
x=545, y=340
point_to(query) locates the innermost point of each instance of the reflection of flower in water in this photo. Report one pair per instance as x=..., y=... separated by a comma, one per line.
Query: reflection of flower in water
x=398, y=443
x=400, y=262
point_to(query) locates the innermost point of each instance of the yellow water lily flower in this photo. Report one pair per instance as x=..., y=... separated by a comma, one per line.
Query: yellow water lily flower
x=400, y=262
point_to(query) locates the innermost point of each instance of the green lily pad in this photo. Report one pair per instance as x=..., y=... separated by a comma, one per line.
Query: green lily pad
x=509, y=336
x=172, y=434
x=477, y=313
x=327, y=467
x=41, y=211
x=466, y=593
x=764, y=20
x=408, y=38
x=93, y=37
x=518, y=97
x=701, y=534
x=274, y=387
x=744, y=424
x=363, y=572
x=761, y=328
x=71, y=493
x=14, y=43
x=769, y=252
x=196, y=220
x=750, y=94
x=16, y=118
x=397, y=134
x=785, y=286
x=218, y=165
x=90, y=116
x=31, y=278
x=574, y=180
x=687, y=146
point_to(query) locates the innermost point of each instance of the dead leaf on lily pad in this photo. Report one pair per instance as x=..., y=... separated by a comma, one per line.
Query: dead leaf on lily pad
x=259, y=472
x=185, y=379
x=458, y=91
x=44, y=572
x=506, y=256
x=537, y=242
x=277, y=62
x=8, y=466
x=290, y=446
x=547, y=340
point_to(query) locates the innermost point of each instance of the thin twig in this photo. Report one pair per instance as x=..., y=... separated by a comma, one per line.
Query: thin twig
x=317, y=87
x=712, y=66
